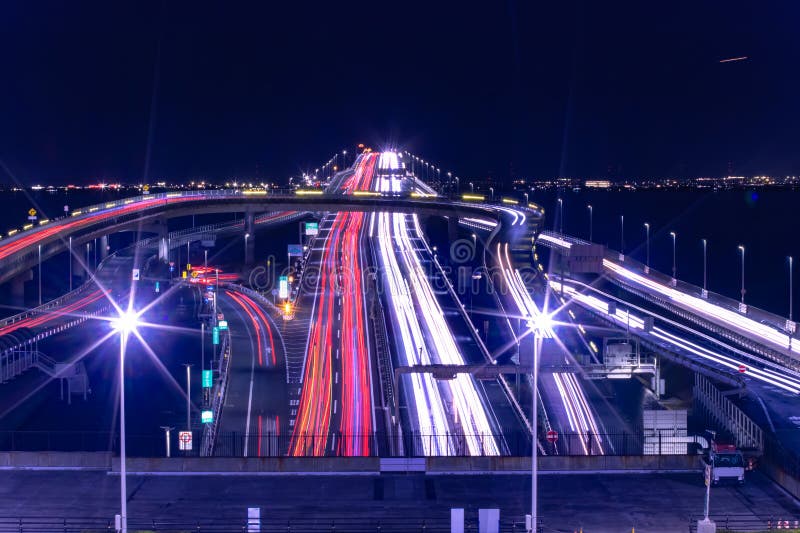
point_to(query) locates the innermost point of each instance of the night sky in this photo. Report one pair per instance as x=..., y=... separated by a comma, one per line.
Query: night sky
x=175, y=90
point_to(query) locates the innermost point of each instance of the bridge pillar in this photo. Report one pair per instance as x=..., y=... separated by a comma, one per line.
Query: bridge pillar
x=78, y=268
x=452, y=228
x=249, y=239
x=17, y=286
x=103, y=247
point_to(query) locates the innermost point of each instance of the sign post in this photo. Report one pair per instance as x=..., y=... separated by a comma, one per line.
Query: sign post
x=185, y=441
x=32, y=214
x=312, y=228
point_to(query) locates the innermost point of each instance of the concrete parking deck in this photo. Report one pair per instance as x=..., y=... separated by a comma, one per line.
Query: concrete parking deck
x=595, y=502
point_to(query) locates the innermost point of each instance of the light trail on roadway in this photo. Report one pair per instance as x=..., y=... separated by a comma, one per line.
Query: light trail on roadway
x=576, y=408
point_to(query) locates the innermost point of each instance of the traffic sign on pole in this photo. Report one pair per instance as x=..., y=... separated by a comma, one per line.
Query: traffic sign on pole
x=552, y=436
x=185, y=440
x=207, y=416
x=742, y=369
x=208, y=379
x=215, y=335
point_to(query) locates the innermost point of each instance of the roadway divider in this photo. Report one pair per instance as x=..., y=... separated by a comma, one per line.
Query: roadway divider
x=219, y=391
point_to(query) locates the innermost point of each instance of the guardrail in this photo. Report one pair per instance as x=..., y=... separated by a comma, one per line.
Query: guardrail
x=219, y=391
x=268, y=524
x=232, y=444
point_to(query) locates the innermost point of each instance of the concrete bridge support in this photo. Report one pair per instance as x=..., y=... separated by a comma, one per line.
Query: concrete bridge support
x=249, y=239
x=17, y=286
x=452, y=228
x=103, y=247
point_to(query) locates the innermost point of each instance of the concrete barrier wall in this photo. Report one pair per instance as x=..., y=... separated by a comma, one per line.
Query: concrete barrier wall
x=565, y=464
x=56, y=460
x=356, y=465
x=779, y=476
x=251, y=465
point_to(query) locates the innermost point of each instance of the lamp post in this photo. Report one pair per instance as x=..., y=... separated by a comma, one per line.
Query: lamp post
x=70, y=264
x=40, y=275
x=741, y=249
x=591, y=222
x=674, y=264
x=622, y=237
x=791, y=275
x=705, y=269
x=124, y=324
x=188, y=396
x=647, y=247
x=526, y=199
x=561, y=216
x=491, y=191
x=537, y=344
x=471, y=187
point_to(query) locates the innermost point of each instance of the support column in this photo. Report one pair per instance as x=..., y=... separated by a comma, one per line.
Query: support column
x=250, y=239
x=17, y=285
x=452, y=228
x=103, y=247
x=78, y=269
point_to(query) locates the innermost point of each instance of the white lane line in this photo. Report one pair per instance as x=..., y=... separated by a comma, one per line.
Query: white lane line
x=335, y=403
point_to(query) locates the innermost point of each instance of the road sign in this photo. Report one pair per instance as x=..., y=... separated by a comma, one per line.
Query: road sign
x=32, y=212
x=195, y=273
x=185, y=440
x=207, y=416
x=742, y=369
x=312, y=228
x=708, y=475
x=158, y=287
x=189, y=267
x=66, y=209
x=552, y=436
x=135, y=274
x=215, y=335
x=283, y=287
x=183, y=274
x=208, y=379
x=146, y=189
x=295, y=250
x=223, y=324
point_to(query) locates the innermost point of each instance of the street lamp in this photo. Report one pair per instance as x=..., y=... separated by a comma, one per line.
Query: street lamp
x=540, y=323
x=526, y=199
x=40, y=275
x=591, y=215
x=491, y=191
x=561, y=216
x=741, y=249
x=622, y=237
x=791, y=275
x=70, y=264
x=674, y=265
x=647, y=247
x=471, y=187
x=705, y=269
x=124, y=324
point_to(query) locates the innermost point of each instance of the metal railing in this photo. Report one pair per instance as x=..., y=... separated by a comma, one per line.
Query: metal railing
x=232, y=444
x=328, y=523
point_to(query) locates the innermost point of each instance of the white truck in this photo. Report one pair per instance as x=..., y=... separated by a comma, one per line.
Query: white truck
x=726, y=462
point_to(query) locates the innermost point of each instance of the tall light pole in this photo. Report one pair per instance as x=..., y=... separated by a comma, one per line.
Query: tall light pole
x=125, y=324
x=189, y=396
x=561, y=216
x=791, y=275
x=471, y=187
x=705, y=268
x=591, y=222
x=674, y=264
x=537, y=345
x=621, y=236
x=40, y=275
x=741, y=249
x=70, y=264
x=647, y=247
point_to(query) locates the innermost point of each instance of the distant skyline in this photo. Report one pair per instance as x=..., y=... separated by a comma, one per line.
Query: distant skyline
x=175, y=90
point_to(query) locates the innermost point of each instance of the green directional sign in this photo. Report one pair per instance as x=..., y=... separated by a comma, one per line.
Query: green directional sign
x=312, y=228
x=207, y=416
x=208, y=379
x=215, y=335
x=223, y=324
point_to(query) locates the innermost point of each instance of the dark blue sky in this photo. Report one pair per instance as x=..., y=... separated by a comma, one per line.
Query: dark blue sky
x=89, y=89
